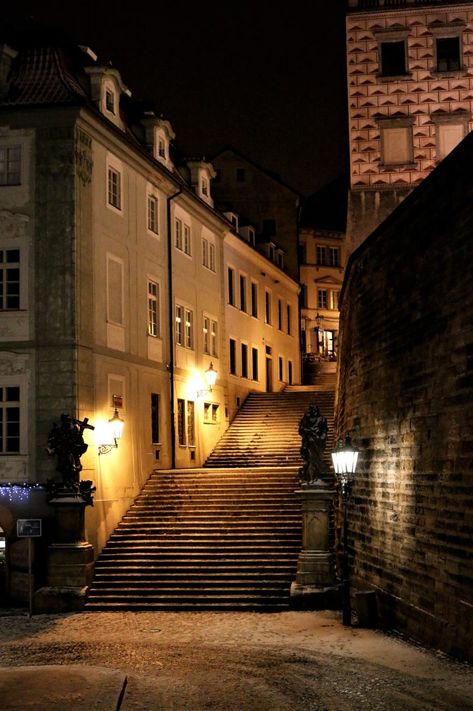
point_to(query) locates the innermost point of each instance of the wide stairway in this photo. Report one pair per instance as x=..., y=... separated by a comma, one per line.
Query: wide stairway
x=225, y=537
x=265, y=433
x=203, y=540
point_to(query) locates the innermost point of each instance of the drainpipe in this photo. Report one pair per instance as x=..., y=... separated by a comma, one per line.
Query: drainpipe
x=171, y=328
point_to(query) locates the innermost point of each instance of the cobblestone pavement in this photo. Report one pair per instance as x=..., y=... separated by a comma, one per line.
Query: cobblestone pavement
x=243, y=661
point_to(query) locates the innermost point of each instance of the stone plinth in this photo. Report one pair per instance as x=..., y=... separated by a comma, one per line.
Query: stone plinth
x=315, y=586
x=70, y=559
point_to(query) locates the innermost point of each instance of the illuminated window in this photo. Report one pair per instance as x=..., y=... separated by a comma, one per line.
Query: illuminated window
x=335, y=299
x=188, y=328
x=10, y=165
x=114, y=188
x=153, y=224
x=179, y=325
x=9, y=420
x=153, y=309
x=9, y=279
x=210, y=336
x=211, y=412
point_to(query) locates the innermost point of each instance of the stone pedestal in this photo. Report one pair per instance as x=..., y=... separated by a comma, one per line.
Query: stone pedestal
x=316, y=586
x=70, y=559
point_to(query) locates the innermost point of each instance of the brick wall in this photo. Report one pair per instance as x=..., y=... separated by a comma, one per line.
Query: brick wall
x=406, y=395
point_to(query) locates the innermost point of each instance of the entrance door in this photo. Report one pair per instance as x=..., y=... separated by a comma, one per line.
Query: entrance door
x=269, y=375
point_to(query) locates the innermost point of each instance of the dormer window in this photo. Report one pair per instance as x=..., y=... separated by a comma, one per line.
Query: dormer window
x=205, y=187
x=110, y=101
x=161, y=148
x=251, y=236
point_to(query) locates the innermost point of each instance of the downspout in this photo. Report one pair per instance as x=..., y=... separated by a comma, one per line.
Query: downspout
x=171, y=329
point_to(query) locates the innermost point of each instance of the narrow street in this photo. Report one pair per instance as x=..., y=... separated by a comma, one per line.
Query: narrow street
x=232, y=661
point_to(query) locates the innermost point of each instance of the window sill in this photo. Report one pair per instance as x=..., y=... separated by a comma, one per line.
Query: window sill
x=448, y=74
x=392, y=166
x=394, y=77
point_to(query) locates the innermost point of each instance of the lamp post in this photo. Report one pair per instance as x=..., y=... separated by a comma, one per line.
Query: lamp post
x=344, y=459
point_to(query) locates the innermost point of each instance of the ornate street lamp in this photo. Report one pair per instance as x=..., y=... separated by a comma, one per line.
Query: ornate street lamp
x=211, y=378
x=115, y=431
x=345, y=459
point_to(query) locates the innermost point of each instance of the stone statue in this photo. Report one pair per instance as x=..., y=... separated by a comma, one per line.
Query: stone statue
x=67, y=443
x=313, y=431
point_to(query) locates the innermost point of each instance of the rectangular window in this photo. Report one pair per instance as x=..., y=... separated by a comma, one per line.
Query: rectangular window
x=211, y=412
x=393, y=58
x=109, y=101
x=208, y=254
x=10, y=165
x=303, y=295
x=322, y=299
x=333, y=256
x=190, y=423
x=187, y=240
x=10, y=420
x=181, y=422
x=213, y=338
x=448, y=54
x=115, y=291
x=254, y=363
x=215, y=412
x=244, y=360
x=449, y=135
x=153, y=309
x=231, y=286
x=153, y=224
x=232, y=350
x=212, y=260
x=280, y=314
x=178, y=234
x=289, y=372
x=179, y=325
x=254, y=299
x=396, y=144
x=189, y=329
x=321, y=255
x=206, y=335
x=161, y=148
x=9, y=279
x=114, y=188
x=335, y=299
x=242, y=292
x=289, y=318
x=205, y=187
x=154, y=418
x=267, y=305
x=281, y=368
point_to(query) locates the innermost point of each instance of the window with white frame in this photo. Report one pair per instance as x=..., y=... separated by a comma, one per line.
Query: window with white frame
x=10, y=165
x=211, y=413
x=114, y=190
x=153, y=309
x=10, y=419
x=209, y=330
x=153, y=215
x=189, y=328
x=178, y=243
x=187, y=240
x=9, y=279
x=114, y=290
x=205, y=186
x=322, y=298
x=328, y=256
x=208, y=254
x=179, y=325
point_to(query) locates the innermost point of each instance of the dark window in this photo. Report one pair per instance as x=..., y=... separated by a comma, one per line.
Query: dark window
x=280, y=314
x=231, y=286
x=393, y=58
x=448, y=54
x=289, y=318
x=240, y=175
x=303, y=295
x=10, y=420
x=242, y=292
x=154, y=418
x=289, y=371
x=110, y=101
x=267, y=303
x=254, y=363
x=244, y=360
x=10, y=165
x=190, y=423
x=281, y=369
x=233, y=356
x=254, y=299
x=181, y=422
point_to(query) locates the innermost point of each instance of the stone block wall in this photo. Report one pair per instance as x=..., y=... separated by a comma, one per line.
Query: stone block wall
x=406, y=395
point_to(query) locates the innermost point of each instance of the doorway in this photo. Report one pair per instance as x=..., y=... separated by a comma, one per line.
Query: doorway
x=269, y=370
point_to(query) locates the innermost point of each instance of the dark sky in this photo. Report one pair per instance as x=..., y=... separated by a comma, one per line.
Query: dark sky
x=268, y=81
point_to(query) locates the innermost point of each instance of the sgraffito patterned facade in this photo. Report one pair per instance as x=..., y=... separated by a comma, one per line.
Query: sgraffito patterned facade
x=410, y=94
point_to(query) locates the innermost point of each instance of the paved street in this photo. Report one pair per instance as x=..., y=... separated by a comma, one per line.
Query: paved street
x=227, y=661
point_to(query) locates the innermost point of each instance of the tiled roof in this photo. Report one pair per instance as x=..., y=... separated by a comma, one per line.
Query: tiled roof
x=40, y=76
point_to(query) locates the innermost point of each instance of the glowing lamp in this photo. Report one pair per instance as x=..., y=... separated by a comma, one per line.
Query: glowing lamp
x=114, y=431
x=211, y=378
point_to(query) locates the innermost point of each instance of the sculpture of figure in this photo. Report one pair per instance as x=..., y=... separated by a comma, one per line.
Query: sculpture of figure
x=67, y=443
x=313, y=430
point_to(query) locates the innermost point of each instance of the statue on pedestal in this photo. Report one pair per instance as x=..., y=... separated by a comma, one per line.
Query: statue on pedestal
x=313, y=430
x=66, y=441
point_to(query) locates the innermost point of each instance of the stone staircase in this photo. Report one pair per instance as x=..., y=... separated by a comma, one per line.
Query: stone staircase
x=224, y=537
x=204, y=540
x=265, y=430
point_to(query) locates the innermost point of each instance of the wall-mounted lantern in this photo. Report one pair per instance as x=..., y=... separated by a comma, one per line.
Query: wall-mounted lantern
x=211, y=378
x=345, y=458
x=114, y=429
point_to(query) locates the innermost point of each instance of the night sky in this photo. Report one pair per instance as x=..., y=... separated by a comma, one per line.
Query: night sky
x=265, y=80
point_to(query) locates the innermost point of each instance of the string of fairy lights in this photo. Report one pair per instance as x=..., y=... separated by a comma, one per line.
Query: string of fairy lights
x=14, y=491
